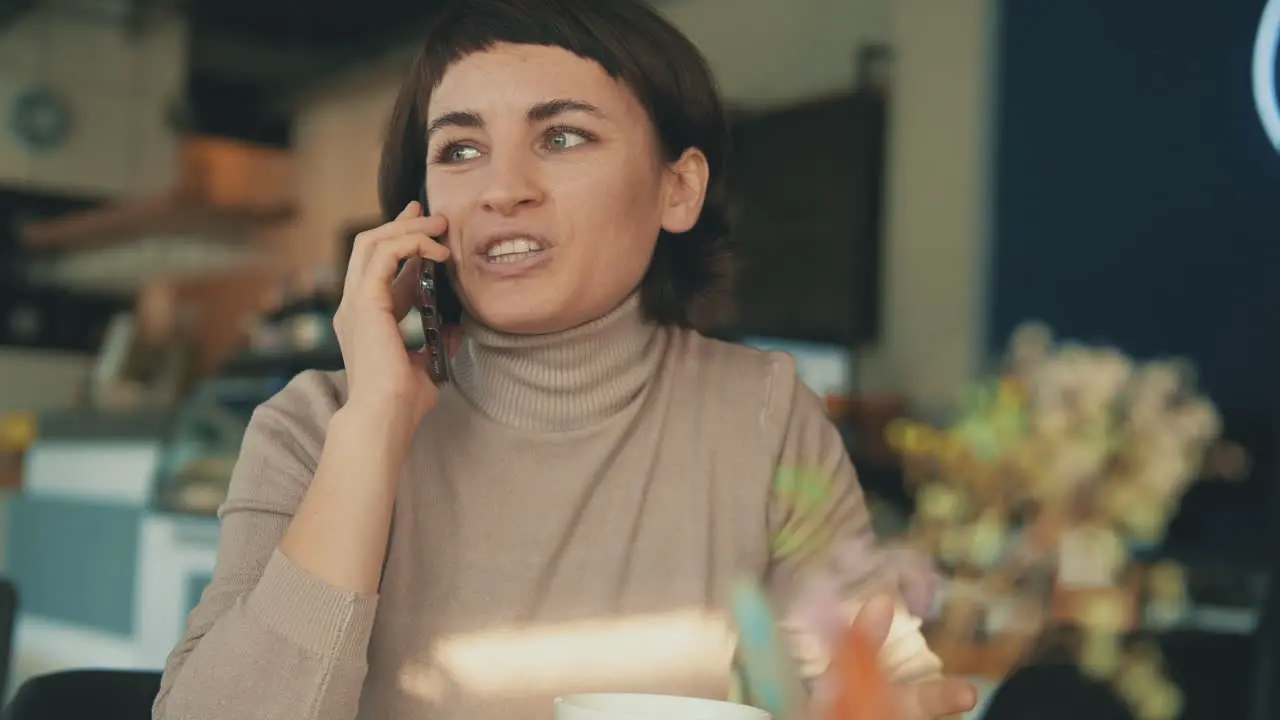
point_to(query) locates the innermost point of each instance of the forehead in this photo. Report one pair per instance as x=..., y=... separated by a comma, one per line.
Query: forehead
x=511, y=77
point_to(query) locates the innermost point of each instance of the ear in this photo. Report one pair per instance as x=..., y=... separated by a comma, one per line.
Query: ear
x=685, y=189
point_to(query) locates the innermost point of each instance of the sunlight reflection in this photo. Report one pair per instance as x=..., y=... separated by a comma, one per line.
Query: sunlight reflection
x=903, y=643
x=649, y=650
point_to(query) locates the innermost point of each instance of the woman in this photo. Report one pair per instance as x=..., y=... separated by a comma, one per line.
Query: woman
x=568, y=513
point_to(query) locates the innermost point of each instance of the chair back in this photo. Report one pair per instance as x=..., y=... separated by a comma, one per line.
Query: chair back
x=8, y=618
x=1054, y=692
x=74, y=694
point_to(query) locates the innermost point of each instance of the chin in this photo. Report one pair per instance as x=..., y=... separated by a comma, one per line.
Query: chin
x=535, y=305
x=521, y=321
x=521, y=313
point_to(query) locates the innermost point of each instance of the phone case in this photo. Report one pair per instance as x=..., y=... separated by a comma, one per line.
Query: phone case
x=437, y=353
x=429, y=309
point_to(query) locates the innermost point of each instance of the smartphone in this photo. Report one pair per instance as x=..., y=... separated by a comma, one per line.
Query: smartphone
x=429, y=309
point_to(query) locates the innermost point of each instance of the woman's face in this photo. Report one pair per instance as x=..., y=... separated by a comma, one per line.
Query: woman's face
x=549, y=174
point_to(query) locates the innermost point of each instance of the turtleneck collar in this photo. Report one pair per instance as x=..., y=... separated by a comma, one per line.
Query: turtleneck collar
x=559, y=381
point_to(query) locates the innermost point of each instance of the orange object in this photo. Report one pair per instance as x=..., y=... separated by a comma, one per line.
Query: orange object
x=861, y=691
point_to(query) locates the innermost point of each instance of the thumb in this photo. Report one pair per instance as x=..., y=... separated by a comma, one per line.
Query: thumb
x=874, y=620
x=918, y=580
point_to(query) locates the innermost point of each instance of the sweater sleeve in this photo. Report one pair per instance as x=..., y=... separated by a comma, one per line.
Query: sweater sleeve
x=819, y=521
x=268, y=640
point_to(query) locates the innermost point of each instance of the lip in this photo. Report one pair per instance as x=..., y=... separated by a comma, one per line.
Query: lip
x=482, y=250
x=518, y=267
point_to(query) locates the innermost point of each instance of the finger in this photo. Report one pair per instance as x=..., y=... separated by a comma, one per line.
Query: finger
x=363, y=241
x=432, y=249
x=404, y=288
x=918, y=580
x=408, y=222
x=413, y=209
x=939, y=698
x=874, y=619
x=385, y=257
x=433, y=227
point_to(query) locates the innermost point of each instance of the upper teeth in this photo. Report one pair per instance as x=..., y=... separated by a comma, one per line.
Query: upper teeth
x=514, y=247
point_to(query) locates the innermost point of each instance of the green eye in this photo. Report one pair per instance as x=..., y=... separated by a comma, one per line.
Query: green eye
x=462, y=153
x=565, y=139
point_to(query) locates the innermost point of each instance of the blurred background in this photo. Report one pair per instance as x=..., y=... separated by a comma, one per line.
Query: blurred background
x=180, y=184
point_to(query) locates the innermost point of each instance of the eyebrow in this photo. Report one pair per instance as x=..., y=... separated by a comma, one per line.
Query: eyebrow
x=546, y=110
x=540, y=112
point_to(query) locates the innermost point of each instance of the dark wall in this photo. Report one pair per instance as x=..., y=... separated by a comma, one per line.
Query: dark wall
x=47, y=318
x=806, y=234
x=1138, y=199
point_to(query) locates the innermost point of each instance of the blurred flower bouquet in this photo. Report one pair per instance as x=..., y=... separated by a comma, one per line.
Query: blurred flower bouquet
x=1058, y=470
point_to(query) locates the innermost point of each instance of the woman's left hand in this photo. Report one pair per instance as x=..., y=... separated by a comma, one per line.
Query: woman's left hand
x=922, y=700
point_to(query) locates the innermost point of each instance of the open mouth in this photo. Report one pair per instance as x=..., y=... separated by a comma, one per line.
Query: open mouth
x=513, y=250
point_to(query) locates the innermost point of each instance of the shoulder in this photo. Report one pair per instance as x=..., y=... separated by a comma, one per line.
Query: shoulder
x=762, y=385
x=296, y=419
x=312, y=393
x=281, y=447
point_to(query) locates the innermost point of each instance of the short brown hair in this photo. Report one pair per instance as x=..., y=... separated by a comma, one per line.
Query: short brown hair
x=634, y=44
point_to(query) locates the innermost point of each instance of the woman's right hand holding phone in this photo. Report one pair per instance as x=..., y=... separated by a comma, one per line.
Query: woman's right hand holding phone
x=339, y=532
x=382, y=376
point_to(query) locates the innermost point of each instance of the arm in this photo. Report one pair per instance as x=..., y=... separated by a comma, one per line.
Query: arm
x=283, y=628
x=818, y=519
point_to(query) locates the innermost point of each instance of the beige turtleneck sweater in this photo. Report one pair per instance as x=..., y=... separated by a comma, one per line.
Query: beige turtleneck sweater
x=568, y=519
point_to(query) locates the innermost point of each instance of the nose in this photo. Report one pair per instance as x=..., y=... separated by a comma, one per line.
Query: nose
x=513, y=185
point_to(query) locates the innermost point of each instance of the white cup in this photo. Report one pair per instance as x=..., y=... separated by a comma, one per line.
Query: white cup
x=635, y=706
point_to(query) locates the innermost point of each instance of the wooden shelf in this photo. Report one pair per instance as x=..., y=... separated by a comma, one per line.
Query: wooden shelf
x=226, y=189
x=164, y=216
x=869, y=415
x=10, y=471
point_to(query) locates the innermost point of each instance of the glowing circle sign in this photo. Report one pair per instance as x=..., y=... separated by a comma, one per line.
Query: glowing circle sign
x=1265, y=93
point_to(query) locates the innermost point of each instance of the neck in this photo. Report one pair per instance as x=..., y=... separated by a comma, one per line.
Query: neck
x=559, y=381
